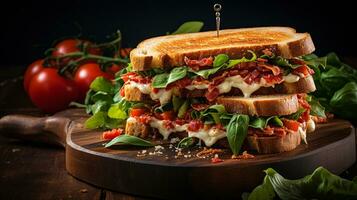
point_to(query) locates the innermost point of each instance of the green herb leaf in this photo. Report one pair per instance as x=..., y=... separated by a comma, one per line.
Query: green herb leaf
x=116, y=111
x=189, y=27
x=258, y=123
x=97, y=120
x=321, y=184
x=274, y=120
x=162, y=80
x=183, y=108
x=186, y=142
x=237, y=130
x=296, y=116
x=344, y=101
x=232, y=63
x=177, y=102
x=99, y=106
x=316, y=108
x=205, y=73
x=102, y=84
x=129, y=140
x=220, y=59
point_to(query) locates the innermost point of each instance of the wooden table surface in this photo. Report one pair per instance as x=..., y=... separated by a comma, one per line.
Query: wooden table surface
x=37, y=171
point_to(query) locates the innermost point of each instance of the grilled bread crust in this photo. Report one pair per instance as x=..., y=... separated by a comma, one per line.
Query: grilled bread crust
x=170, y=51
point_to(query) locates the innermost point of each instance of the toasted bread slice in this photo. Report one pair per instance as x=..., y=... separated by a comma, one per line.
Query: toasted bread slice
x=266, y=105
x=304, y=85
x=276, y=144
x=170, y=50
x=262, y=145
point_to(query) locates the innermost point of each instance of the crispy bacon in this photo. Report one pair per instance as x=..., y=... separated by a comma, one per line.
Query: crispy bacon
x=132, y=76
x=304, y=69
x=199, y=64
x=212, y=94
x=180, y=83
x=199, y=106
x=275, y=69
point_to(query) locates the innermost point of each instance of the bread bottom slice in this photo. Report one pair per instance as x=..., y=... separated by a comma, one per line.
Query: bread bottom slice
x=260, y=144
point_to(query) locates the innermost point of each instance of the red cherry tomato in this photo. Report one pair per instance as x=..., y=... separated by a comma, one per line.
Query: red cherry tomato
x=84, y=76
x=32, y=70
x=109, y=135
x=137, y=112
x=291, y=124
x=51, y=92
x=73, y=45
x=168, y=115
x=195, y=125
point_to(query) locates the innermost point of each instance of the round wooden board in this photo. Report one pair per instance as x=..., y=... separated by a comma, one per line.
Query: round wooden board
x=332, y=146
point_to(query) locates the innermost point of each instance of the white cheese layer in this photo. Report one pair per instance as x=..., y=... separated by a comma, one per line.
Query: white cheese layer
x=165, y=132
x=210, y=136
x=310, y=126
x=237, y=81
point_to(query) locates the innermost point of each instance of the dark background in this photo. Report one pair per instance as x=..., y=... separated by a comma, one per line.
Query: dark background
x=29, y=28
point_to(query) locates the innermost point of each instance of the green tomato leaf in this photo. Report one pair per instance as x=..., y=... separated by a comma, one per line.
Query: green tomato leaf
x=237, y=130
x=220, y=59
x=186, y=142
x=129, y=140
x=189, y=27
x=102, y=84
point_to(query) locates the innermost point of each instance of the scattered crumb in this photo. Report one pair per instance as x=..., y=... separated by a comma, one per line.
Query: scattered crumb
x=174, y=140
x=244, y=155
x=208, y=152
x=216, y=159
x=15, y=150
x=84, y=190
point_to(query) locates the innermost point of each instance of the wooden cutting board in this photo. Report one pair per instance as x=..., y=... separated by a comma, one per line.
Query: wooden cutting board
x=170, y=175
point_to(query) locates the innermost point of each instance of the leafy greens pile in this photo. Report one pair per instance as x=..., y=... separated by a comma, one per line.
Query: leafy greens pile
x=336, y=84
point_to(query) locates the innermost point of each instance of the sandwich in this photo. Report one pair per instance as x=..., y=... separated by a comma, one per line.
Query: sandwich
x=246, y=89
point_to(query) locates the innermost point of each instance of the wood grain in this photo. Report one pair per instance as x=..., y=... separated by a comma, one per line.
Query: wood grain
x=120, y=169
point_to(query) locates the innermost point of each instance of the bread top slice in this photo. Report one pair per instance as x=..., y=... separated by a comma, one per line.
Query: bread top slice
x=170, y=50
x=265, y=105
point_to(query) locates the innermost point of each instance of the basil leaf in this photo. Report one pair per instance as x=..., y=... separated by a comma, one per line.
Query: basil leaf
x=344, y=101
x=177, y=74
x=186, y=142
x=195, y=114
x=237, y=130
x=189, y=27
x=258, y=123
x=182, y=111
x=160, y=80
x=274, y=120
x=234, y=62
x=129, y=140
x=99, y=106
x=102, y=96
x=117, y=112
x=220, y=59
x=177, y=102
x=225, y=119
x=316, y=108
x=296, y=116
x=205, y=73
x=263, y=191
x=102, y=84
x=321, y=184
x=97, y=120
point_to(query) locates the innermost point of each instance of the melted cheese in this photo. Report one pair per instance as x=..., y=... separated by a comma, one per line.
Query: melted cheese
x=291, y=78
x=165, y=132
x=302, y=132
x=310, y=126
x=237, y=81
x=163, y=95
x=210, y=136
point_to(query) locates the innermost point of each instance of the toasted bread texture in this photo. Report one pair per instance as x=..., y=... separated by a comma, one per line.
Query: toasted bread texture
x=304, y=85
x=170, y=50
x=265, y=105
x=262, y=145
x=275, y=144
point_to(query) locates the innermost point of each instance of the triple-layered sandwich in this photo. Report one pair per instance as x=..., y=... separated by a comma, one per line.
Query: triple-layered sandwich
x=244, y=89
